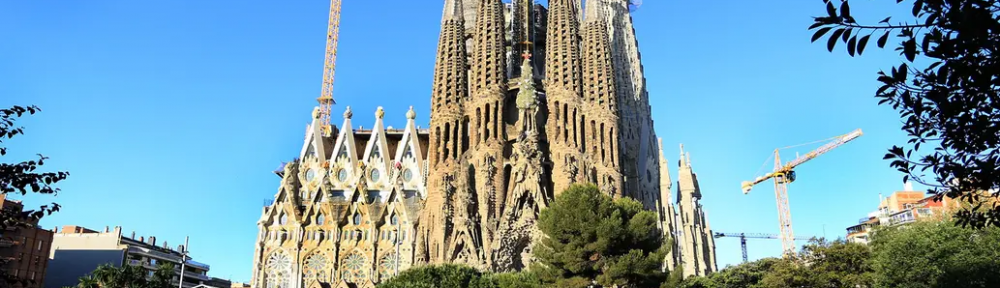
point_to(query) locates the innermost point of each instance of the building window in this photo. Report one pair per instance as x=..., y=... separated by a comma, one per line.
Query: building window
x=40, y=244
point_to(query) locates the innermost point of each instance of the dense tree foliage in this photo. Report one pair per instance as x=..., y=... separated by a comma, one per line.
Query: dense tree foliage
x=926, y=254
x=819, y=264
x=128, y=276
x=22, y=178
x=591, y=237
x=946, y=92
x=936, y=254
x=458, y=276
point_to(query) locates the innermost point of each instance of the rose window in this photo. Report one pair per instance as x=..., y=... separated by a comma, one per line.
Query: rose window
x=278, y=270
x=316, y=266
x=387, y=265
x=354, y=268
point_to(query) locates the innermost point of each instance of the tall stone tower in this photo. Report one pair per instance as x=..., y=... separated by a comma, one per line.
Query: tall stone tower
x=526, y=100
x=695, y=237
x=600, y=141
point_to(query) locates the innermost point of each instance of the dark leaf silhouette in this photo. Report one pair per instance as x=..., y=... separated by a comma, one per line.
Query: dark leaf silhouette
x=949, y=98
x=22, y=178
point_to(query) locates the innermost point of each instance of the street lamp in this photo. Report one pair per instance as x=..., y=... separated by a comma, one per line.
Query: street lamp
x=184, y=255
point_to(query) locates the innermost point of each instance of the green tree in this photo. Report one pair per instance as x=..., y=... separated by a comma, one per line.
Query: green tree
x=675, y=278
x=946, y=92
x=744, y=275
x=128, y=276
x=823, y=263
x=439, y=276
x=591, y=237
x=936, y=254
x=23, y=178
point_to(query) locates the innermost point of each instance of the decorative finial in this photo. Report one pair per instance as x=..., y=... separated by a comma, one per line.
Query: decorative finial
x=347, y=113
x=682, y=160
x=411, y=114
x=316, y=112
x=379, y=113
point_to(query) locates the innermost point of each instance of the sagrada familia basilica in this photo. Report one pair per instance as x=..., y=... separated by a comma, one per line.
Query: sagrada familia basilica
x=526, y=100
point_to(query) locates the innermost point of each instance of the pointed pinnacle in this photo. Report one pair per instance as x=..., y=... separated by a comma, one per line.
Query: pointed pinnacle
x=593, y=10
x=452, y=11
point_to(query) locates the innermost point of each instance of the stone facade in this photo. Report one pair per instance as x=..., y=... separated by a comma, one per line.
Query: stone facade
x=526, y=100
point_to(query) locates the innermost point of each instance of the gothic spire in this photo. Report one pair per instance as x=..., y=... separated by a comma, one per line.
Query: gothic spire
x=489, y=71
x=562, y=67
x=598, y=63
x=449, y=73
x=452, y=11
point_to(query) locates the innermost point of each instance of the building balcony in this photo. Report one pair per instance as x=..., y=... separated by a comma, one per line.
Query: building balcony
x=192, y=275
x=196, y=264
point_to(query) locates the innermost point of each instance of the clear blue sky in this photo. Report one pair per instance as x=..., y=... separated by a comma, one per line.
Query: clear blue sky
x=171, y=115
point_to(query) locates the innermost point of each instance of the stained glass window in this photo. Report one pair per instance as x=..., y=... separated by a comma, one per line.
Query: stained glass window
x=387, y=265
x=357, y=219
x=283, y=219
x=310, y=174
x=342, y=175
x=354, y=268
x=278, y=270
x=375, y=175
x=316, y=266
x=407, y=175
x=320, y=219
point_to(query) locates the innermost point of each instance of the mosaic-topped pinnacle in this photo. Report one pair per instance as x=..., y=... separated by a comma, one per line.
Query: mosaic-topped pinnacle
x=347, y=113
x=411, y=114
x=379, y=113
x=316, y=112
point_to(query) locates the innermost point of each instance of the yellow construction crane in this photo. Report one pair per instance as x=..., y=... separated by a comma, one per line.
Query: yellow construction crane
x=784, y=174
x=329, y=67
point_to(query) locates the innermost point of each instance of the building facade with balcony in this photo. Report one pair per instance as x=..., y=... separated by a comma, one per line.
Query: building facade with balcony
x=77, y=251
x=900, y=208
x=23, y=249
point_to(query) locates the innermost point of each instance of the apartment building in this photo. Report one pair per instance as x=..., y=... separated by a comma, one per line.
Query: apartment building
x=901, y=207
x=77, y=251
x=24, y=249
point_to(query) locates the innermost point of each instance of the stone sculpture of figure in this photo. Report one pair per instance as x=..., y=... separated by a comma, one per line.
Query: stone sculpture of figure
x=363, y=181
x=574, y=168
x=397, y=173
x=289, y=182
x=490, y=169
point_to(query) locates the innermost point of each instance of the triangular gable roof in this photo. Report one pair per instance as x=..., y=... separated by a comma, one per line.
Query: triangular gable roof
x=345, y=145
x=314, y=138
x=410, y=143
x=377, y=143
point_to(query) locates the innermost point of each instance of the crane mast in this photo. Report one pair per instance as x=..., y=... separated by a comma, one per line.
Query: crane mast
x=329, y=67
x=784, y=174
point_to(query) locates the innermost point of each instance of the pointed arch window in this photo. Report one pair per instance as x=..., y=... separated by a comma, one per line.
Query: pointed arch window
x=320, y=219
x=394, y=219
x=357, y=219
x=283, y=219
